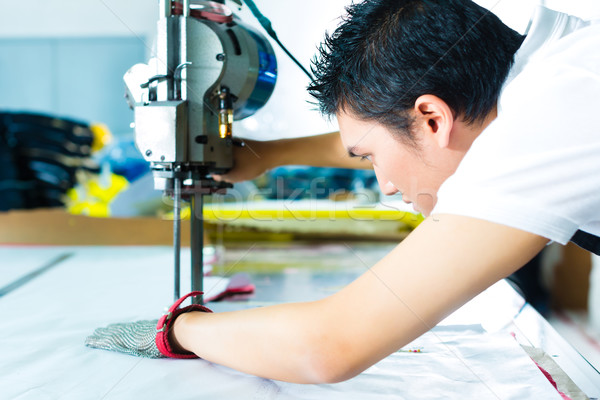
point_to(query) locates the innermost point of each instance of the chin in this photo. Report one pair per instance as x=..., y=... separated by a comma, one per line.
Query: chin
x=423, y=210
x=425, y=205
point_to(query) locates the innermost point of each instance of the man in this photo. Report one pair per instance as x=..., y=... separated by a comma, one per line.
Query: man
x=501, y=167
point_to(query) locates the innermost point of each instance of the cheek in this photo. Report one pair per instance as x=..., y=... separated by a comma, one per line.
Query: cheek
x=385, y=185
x=409, y=176
x=394, y=169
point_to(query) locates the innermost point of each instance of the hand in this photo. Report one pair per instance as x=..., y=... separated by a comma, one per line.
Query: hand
x=250, y=161
x=134, y=338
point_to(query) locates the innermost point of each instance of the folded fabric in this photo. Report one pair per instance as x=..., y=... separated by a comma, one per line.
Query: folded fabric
x=218, y=288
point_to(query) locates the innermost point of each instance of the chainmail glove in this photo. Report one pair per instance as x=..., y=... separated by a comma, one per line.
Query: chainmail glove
x=145, y=338
x=134, y=338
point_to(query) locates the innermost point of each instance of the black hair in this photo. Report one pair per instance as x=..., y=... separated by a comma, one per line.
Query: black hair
x=387, y=53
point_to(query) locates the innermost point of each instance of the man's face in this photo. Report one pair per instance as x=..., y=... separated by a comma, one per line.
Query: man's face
x=416, y=172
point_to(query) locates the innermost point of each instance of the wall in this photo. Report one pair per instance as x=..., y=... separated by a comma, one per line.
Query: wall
x=34, y=33
x=594, y=295
x=81, y=18
x=70, y=77
x=77, y=18
x=68, y=57
x=516, y=13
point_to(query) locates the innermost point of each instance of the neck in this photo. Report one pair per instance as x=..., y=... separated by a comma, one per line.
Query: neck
x=479, y=127
x=468, y=132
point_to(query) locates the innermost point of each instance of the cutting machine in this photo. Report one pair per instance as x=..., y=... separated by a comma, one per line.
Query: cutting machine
x=209, y=69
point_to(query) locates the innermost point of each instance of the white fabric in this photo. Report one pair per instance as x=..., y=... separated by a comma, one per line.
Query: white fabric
x=45, y=323
x=537, y=166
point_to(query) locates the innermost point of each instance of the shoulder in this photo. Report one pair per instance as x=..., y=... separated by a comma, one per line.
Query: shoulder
x=556, y=92
x=573, y=57
x=536, y=166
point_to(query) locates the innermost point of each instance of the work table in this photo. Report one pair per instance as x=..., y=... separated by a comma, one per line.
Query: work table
x=51, y=298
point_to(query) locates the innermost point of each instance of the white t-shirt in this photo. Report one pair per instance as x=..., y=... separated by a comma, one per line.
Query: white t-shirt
x=537, y=166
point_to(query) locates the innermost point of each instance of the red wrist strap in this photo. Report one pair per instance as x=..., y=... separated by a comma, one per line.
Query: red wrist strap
x=166, y=321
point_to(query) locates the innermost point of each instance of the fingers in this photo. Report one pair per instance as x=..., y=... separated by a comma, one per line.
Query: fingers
x=219, y=178
x=134, y=338
x=230, y=177
x=223, y=178
x=247, y=163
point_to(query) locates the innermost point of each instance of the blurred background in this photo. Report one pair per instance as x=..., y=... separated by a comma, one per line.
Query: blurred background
x=67, y=57
x=65, y=60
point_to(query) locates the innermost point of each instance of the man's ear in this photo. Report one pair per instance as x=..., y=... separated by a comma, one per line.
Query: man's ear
x=435, y=117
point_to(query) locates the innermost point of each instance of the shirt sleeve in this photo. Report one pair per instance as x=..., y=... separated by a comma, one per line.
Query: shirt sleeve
x=537, y=166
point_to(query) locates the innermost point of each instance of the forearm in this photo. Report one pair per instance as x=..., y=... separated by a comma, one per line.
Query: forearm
x=257, y=157
x=282, y=342
x=445, y=262
x=324, y=150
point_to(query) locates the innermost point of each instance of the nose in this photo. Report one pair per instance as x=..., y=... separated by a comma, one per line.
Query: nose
x=387, y=187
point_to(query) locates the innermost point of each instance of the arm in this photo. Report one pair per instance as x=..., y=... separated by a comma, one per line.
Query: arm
x=444, y=263
x=257, y=157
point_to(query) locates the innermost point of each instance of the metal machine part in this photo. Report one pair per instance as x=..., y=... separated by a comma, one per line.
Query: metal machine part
x=209, y=70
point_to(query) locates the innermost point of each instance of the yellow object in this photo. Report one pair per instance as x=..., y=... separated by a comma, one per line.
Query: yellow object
x=313, y=218
x=217, y=214
x=102, y=136
x=277, y=211
x=225, y=123
x=94, y=193
x=283, y=220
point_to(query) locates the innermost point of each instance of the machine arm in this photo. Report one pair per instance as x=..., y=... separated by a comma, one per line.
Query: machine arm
x=210, y=69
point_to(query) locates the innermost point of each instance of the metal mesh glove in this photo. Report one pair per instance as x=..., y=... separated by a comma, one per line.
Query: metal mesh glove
x=145, y=338
x=134, y=338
